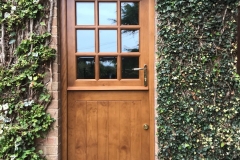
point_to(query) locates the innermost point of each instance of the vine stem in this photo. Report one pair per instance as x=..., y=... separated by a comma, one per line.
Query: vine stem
x=31, y=32
x=223, y=22
x=50, y=83
x=3, y=45
x=49, y=26
x=50, y=16
x=49, y=29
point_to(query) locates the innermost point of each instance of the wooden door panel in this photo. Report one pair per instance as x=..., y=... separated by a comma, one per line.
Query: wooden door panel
x=102, y=118
x=100, y=129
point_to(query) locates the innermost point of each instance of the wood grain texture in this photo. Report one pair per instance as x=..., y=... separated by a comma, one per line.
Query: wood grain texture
x=63, y=51
x=92, y=130
x=136, y=129
x=79, y=129
x=146, y=133
x=113, y=137
x=102, y=129
x=125, y=131
x=71, y=128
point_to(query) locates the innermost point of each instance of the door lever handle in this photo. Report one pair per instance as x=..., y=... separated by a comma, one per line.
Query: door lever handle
x=137, y=69
x=145, y=73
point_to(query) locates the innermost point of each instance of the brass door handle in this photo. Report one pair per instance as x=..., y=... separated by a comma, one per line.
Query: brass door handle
x=145, y=73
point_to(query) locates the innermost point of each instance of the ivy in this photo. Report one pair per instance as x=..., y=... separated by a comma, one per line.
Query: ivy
x=24, y=58
x=198, y=88
x=15, y=12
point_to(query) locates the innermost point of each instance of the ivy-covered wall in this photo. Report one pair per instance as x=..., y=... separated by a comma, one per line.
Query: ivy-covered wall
x=25, y=62
x=198, y=88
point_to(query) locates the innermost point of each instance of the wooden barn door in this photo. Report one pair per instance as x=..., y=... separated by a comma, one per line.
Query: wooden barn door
x=107, y=59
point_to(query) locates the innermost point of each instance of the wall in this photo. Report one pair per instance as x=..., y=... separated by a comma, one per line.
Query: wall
x=198, y=85
x=51, y=144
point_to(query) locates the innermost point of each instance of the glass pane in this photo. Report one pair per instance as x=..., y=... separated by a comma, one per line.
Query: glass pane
x=85, y=68
x=85, y=41
x=130, y=40
x=85, y=13
x=107, y=40
x=129, y=13
x=107, y=13
x=108, y=67
x=128, y=63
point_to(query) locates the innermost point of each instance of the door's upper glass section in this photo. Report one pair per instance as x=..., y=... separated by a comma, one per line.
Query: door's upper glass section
x=107, y=40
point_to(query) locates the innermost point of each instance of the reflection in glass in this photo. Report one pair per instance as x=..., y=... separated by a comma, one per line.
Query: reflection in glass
x=85, y=13
x=107, y=13
x=85, y=41
x=85, y=68
x=108, y=67
x=128, y=63
x=130, y=40
x=129, y=13
x=108, y=40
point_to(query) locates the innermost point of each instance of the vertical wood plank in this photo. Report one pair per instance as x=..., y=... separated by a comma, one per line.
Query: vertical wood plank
x=125, y=130
x=71, y=43
x=113, y=140
x=103, y=130
x=136, y=129
x=92, y=128
x=63, y=71
x=70, y=126
x=80, y=125
x=145, y=133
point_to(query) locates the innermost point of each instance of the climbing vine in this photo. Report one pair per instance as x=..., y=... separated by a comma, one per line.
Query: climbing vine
x=198, y=88
x=25, y=57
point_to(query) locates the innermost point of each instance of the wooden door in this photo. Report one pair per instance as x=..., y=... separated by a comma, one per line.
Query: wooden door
x=109, y=80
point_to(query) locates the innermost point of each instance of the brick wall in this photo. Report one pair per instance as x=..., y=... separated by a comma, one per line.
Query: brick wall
x=51, y=144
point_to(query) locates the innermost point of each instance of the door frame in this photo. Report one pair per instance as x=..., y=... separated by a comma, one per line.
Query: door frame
x=63, y=77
